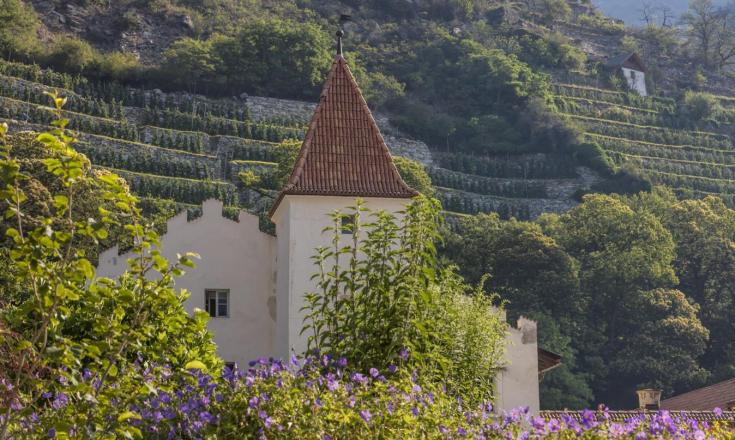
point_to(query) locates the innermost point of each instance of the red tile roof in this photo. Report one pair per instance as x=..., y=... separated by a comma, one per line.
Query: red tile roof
x=623, y=416
x=344, y=153
x=547, y=360
x=720, y=395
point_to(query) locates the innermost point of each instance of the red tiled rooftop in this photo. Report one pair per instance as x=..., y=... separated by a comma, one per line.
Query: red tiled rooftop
x=343, y=153
x=623, y=416
x=720, y=395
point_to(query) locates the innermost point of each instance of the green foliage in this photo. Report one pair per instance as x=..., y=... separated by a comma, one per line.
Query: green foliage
x=274, y=57
x=704, y=233
x=414, y=174
x=489, y=186
x=552, y=10
x=72, y=55
x=625, y=259
x=592, y=155
x=248, y=178
x=73, y=334
x=308, y=405
x=381, y=294
x=622, y=182
x=189, y=62
x=623, y=287
x=537, y=279
x=699, y=107
x=602, y=23
x=18, y=34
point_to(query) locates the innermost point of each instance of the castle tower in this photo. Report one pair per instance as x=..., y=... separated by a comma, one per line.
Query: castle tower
x=342, y=158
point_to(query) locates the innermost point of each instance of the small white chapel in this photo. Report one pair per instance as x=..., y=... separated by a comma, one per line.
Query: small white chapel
x=252, y=284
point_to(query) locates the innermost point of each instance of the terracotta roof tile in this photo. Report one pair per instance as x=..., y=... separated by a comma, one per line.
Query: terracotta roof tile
x=720, y=395
x=343, y=153
x=623, y=416
x=547, y=360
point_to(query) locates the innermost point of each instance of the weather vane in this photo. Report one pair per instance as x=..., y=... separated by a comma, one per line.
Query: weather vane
x=343, y=18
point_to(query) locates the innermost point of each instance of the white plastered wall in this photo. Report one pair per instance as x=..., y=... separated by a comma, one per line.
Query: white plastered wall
x=517, y=384
x=636, y=80
x=300, y=221
x=235, y=256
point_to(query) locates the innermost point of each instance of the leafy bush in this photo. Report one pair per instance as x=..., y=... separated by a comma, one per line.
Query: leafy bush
x=415, y=175
x=699, y=107
x=592, y=155
x=322, y=398
x=73, y=342
x=382, y=296
x=72, y=55
x=18, y=34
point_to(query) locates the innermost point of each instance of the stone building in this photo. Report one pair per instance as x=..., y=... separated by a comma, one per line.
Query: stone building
x=253, y=284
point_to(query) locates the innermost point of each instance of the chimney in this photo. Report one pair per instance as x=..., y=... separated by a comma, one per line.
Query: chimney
x=649, y=399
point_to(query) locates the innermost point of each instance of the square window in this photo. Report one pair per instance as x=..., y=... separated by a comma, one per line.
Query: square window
x=348, y=223
x=217, y=302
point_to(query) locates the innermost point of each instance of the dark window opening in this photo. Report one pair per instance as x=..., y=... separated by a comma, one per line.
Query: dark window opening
x=217, y=302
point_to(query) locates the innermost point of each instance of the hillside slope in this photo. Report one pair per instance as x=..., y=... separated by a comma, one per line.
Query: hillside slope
x=507, y=108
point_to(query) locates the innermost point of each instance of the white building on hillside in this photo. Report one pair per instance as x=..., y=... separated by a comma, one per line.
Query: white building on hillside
x=633, y=70
x=252, y=284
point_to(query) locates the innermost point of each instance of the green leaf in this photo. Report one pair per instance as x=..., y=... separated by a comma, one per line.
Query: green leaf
x=46, y=138
x=195, y=365
x=127, y=415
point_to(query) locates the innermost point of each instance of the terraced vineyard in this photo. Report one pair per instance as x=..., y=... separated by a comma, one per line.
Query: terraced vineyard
x=182, y=149
x=648, y=135
x=522, y=186
x=171, y=148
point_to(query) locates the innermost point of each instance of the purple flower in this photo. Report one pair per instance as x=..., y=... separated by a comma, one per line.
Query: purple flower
x=403, y=354
x=392, y=368
x=342, y=362
x=332, y=384
x=359, y=378
x=641, y=436
x=60, y=401
x=374, y=372
x=717, y=411
x=366, y=416
x=538, y=423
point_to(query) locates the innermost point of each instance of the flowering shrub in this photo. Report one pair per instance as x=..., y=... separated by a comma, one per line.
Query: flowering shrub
x=320, y=398
x=72, y=346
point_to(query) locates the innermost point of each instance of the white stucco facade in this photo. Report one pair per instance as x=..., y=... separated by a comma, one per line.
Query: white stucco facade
x=235, y=256
x=300, y=221
x=267, y=278
x=517, y=384
x=636, y=80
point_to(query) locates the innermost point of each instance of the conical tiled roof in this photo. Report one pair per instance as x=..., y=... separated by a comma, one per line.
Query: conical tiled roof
x=344, y=153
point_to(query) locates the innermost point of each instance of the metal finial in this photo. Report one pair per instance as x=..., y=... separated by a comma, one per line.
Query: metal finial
x=340, y=33
x=343, y=18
